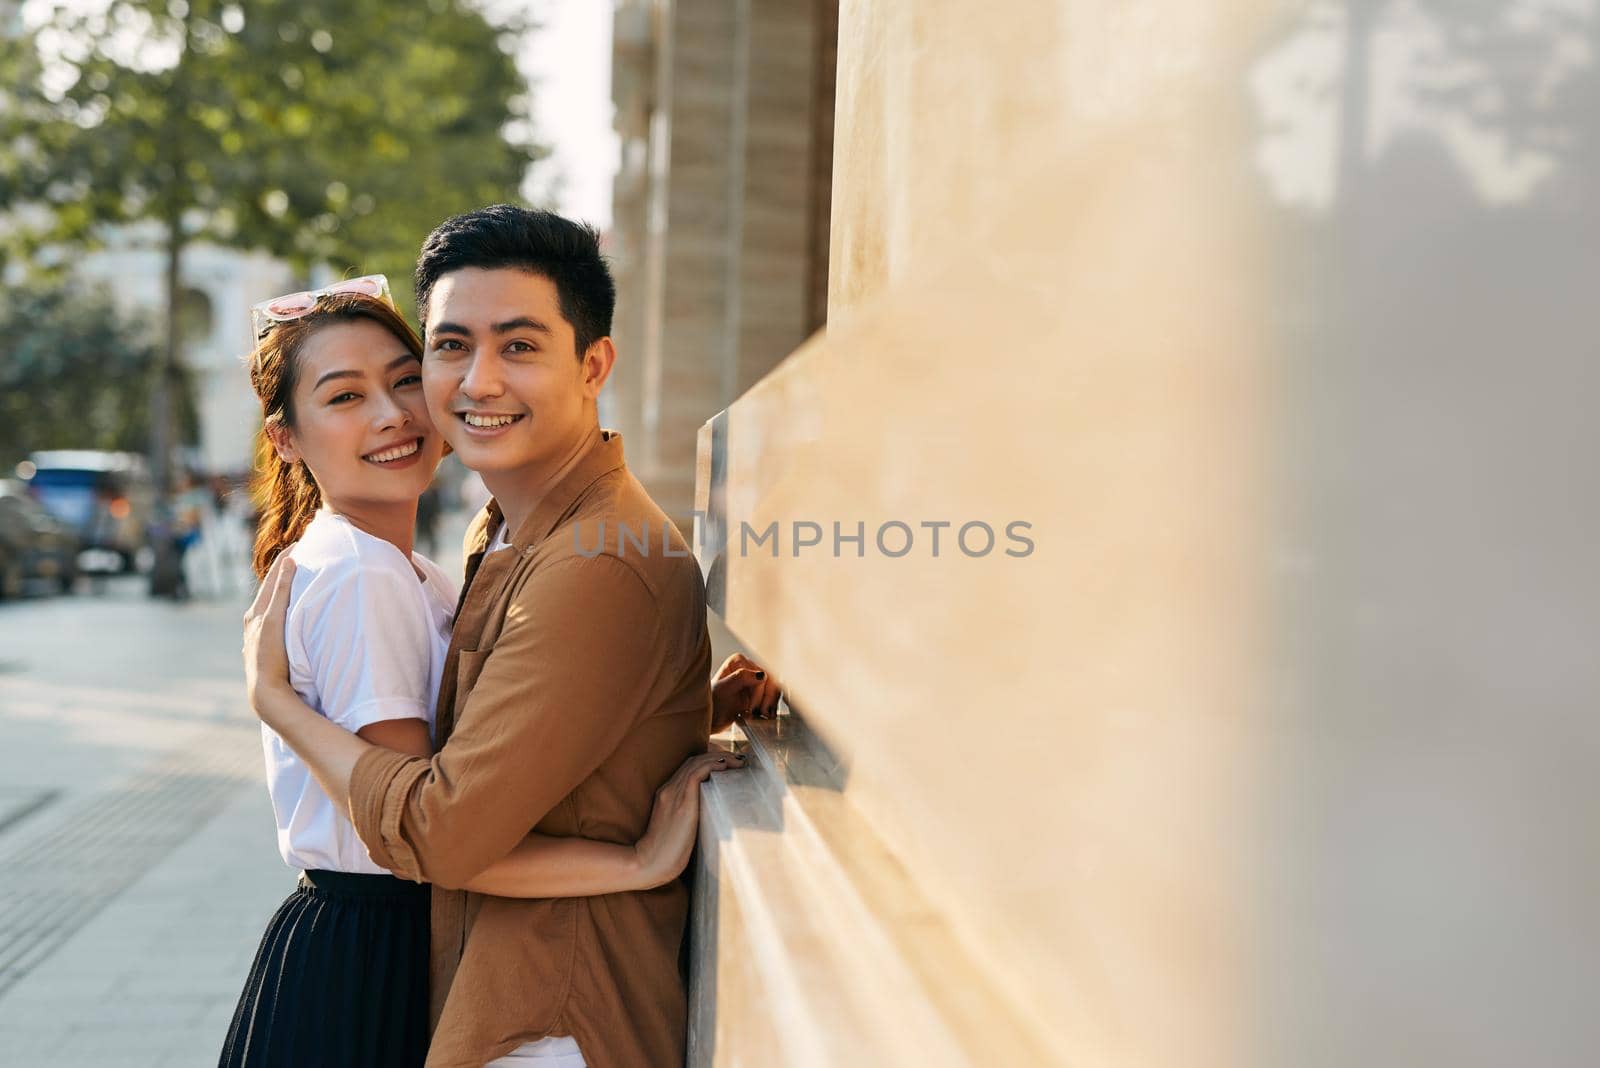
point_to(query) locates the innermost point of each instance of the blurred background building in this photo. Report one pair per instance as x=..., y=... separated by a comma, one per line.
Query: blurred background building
x=218, y=287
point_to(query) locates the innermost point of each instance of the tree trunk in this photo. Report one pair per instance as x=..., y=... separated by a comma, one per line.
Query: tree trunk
x=161, y=399
x=166, y=579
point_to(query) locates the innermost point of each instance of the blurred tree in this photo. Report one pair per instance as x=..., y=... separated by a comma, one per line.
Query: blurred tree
x=335, y=134
x=77, y=374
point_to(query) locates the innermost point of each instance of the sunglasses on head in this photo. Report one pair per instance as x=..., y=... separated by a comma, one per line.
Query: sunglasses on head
x=268, y=313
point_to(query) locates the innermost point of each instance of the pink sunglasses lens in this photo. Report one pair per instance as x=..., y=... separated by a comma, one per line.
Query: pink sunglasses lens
x=292, y=306
x=364, y=286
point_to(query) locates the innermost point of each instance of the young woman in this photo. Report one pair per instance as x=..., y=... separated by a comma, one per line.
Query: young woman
x=345, y=451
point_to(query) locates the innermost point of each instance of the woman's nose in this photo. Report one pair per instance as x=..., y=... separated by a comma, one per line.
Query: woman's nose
x=391, y=413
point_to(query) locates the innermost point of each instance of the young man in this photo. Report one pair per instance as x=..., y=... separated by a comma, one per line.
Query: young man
x=578, y=673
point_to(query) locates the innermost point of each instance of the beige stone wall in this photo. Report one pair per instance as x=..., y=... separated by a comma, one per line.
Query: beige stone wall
x=1023, y=328
x=1266, y=754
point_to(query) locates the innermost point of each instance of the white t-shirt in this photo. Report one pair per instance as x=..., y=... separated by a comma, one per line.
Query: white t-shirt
x=502, y=538
x=367, y=641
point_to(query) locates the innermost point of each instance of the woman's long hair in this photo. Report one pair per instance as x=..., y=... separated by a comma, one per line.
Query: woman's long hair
x=285, y=494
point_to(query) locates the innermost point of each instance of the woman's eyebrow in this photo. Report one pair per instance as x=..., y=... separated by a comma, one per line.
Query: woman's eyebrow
x=403, y=358
x=331, y=375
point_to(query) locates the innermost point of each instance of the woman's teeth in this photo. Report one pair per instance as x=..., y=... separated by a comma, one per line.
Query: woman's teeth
x=399, y=452
x=489, y=420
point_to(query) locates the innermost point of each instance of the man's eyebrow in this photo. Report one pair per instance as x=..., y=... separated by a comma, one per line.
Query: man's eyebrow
x=448, y=327
x=403, y=358
x=522, y=322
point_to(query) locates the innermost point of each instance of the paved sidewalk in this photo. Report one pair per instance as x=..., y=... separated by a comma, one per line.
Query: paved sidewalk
x=138, y=857
x=151, y=980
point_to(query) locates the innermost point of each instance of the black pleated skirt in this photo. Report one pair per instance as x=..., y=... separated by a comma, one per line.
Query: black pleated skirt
x=340, y=980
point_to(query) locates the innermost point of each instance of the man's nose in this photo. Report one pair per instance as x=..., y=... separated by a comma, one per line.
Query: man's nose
x=483, y=378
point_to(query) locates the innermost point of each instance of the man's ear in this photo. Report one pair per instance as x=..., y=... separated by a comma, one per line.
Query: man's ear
x=282, y=443
x=598, y=359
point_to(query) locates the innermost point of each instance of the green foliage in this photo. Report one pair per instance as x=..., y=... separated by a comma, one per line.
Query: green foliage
x=336, y=133
x=76, y=374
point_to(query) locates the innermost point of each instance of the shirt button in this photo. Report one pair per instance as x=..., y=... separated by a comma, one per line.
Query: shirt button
x=527, y=552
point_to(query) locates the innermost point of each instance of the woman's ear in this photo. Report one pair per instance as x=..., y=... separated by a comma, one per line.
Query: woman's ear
x=282, y=443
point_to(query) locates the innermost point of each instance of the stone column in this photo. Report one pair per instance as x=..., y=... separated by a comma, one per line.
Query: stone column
x=719, y=221
x=633, y=84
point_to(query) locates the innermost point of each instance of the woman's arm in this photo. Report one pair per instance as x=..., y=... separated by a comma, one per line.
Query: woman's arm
x=408, y=736
x=541, y=866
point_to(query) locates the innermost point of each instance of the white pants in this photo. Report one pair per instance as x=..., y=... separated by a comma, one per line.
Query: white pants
x=557, y=1051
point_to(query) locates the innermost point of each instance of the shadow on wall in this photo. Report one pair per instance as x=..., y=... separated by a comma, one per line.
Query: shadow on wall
x=1435, y=161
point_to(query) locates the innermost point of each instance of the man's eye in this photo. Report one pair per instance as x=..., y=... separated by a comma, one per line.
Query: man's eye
x=521, y=346
x=448, y=345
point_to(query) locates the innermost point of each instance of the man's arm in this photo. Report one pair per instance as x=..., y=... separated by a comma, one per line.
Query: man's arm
x=563, y=685
x=538, y=866
x=575, y=867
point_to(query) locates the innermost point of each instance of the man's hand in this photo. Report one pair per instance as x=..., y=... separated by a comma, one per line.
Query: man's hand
x=266, y=659
x=741, y=687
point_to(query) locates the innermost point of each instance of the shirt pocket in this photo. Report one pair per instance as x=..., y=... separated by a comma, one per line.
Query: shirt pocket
x=468, y=667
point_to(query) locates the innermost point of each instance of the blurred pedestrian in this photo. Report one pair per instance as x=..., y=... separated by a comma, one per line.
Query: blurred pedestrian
x=189, y=505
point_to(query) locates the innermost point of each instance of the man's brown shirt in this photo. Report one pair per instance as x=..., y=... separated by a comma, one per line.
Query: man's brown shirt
x=578, y=679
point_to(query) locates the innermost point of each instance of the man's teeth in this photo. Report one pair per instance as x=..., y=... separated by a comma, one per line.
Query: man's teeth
x=399, y=452
x=488, y=420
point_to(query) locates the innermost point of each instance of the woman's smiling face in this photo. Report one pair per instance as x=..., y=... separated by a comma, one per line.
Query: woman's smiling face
x=359, y=419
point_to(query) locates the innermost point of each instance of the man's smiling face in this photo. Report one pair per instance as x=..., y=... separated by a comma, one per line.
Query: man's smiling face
x=504, y=381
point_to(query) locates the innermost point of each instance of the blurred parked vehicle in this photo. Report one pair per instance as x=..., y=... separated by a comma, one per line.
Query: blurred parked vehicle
x=107, y=498
x=33, y=543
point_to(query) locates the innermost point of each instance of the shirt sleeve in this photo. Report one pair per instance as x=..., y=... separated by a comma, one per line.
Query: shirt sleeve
x=369, y=651
x=554, y=698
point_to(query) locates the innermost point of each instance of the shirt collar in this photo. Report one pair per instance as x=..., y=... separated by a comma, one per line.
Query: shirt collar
x=603, y=457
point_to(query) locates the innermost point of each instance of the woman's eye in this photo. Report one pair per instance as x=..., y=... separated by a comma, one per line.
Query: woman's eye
x=409, y=380
x=340, y=398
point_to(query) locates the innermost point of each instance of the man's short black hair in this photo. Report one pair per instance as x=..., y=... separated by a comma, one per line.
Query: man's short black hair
x=526, y=239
